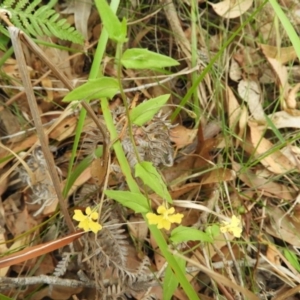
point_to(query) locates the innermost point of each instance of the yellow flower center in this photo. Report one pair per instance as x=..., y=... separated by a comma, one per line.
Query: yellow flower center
x=166, y=215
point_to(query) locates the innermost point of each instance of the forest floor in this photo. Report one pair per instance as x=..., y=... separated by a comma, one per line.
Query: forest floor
x=181, y=168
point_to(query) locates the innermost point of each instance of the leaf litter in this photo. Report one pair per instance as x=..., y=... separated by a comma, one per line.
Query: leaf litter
x=241, y=159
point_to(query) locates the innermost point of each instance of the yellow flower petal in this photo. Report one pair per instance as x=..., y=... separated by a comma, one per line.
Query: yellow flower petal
x=234, y=226
x=95, y=227
x=171, y=211
x=161, y=209
x=153, y=219
x=166, y=224
x=78, y=215
x=235, y=221
x=176, y=218
x=88, y=210
x=94, y=215
x=237, y=232
x=165, y=217
x=84, y=224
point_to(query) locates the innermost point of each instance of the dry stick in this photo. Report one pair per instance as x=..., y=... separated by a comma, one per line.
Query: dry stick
x=171, y=15
x=14, y=34
x=17, y=35
x=9, y=283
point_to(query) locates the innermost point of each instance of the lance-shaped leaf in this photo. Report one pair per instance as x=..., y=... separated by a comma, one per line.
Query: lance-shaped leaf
x=183, y=234
x=137, y=58
x=116, y=30
x=135, y=201
x=149, y=175
x=146, y=110
x=95, y=88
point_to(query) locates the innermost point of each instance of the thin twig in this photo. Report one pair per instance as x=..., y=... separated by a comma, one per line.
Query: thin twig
x=17, y=35
x=15, y=38
x=8, y=283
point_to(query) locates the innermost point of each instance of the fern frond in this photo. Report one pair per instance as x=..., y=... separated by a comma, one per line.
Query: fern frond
x=62, y=265
x=38, y=21
x=108, y=252
x=21, y=4
x=114, y=291
x=30, y=8
x=8, y=3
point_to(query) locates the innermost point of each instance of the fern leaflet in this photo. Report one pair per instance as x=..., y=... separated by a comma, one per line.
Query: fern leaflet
x=38, y=20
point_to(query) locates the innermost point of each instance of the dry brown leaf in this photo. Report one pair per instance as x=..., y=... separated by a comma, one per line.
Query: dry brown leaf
x=280, y=71
x=248, y=57
x=233, y=108
x=182, y=136
x=81, y=11
x=218, y=175
x=64, y=129
x=284, y=119
x=17, y=221
x=177, y=192
x=235, y=72
x=272, y=254
x=27, y=143
x=177, y=174
x=291, y=100
x=3, y=249
x=98, y=170
x=80, y=180
x=275, y=256
x=137, y=227
x=274, y=160
x=264, y=185
x=283, y=55
x=238, y=116
x=3, y=188
x=230, y=9
x=250, y=92
x=282, y=226
x=293, y=154
x=46, y=265
x=47, y=83
x=160, y=261
x=56, y=292
x=204, y=156
x=9, y=124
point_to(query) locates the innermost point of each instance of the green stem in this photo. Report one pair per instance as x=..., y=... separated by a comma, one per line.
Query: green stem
x=124, y=98
x=94, y=73
x=133, y=186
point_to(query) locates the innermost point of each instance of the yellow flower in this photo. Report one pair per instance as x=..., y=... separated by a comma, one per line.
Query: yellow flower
x=164, y=218
x=89, y=221
x=234, y=226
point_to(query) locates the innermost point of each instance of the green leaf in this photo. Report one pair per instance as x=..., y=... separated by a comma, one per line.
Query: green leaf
x=4, y=40
x=183, y=234
x=135, y=201
x=213, y=231
x=80, y=169
x=292, y=258
x=170, y=282
x=146, y=110
x=3, y=297
x=93, y=89
x=149, y=175
x=111, y=23
x=137, y=58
